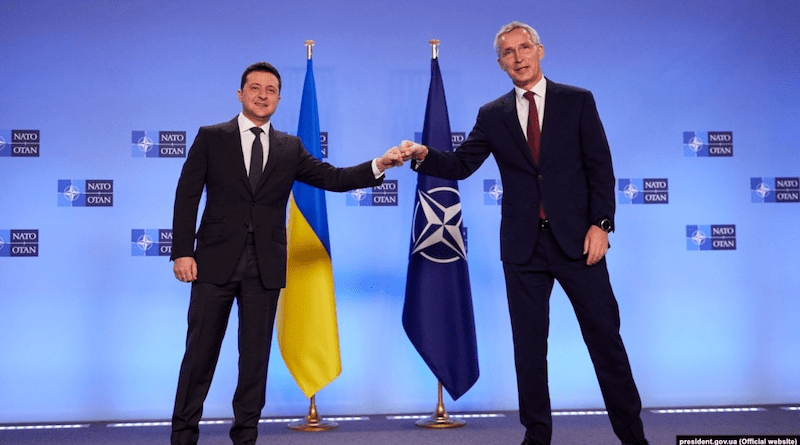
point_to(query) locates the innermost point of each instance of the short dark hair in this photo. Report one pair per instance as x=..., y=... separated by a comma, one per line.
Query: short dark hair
x=261, y=66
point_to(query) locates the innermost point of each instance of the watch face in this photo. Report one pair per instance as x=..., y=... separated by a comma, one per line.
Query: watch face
x=605, y=225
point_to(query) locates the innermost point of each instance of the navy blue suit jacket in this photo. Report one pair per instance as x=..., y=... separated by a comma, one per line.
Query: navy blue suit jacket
x=574, y=178
x=215, y=162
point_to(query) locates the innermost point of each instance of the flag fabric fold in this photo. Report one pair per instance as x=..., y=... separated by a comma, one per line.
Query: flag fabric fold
x=308, y=333
x=437, y=314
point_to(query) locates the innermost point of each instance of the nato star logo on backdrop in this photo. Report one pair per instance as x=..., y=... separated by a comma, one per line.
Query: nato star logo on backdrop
x=711, y=237
x=643, y=191
x=86, y=193
x=19, y=243
x=19, y=143
x=158, y=144
x=151, y=242
x=492, y=192
x=384, y=195
x=780, y=190
x=699, y=144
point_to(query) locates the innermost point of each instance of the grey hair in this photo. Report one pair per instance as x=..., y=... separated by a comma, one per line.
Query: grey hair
x=510, y=27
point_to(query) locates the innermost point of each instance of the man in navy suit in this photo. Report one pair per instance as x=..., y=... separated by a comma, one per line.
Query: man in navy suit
x=557, y=211
x=247, y=169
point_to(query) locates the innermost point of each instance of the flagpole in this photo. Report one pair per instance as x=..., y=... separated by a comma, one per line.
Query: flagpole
x=439, y=418
x=312, y=422
x=309, y=48
x=434, y=48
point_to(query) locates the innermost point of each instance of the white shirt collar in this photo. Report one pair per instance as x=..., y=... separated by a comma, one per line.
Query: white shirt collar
x=538, y=89
x=246, y=124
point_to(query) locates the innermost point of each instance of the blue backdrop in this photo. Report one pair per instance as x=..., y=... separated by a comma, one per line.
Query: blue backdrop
x=93, y=329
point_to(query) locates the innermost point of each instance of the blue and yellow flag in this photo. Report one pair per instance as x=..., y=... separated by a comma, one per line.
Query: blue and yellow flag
x=437, y=314
x=308, y=334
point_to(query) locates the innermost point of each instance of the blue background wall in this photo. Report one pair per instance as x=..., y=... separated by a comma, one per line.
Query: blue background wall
x=88, y=331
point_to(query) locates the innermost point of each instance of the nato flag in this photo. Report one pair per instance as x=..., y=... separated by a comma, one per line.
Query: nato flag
x=437, y=314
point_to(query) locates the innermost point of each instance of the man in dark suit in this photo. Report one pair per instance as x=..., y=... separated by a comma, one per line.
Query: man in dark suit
x=558, y=207
x=239, y=251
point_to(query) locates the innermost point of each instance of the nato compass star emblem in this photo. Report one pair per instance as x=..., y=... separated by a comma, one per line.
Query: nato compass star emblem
x=496, y=192
x=698, y=238
x=71, y=193
x=145, y=144
x=358, y=194
x=437, y=226
x=630, y=191
x=144, y=242
x=762, y=190
x=695, y=144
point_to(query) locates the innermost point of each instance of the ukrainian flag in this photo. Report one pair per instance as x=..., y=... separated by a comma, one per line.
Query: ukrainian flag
x=308, y=334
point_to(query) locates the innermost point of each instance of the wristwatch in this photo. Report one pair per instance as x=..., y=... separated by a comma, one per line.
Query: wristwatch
x=604, y=224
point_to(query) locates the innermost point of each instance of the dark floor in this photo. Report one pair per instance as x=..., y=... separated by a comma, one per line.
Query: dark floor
x=498, y=428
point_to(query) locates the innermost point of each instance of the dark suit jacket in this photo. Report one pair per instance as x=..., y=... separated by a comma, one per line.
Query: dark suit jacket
x=574, y=179
x=215, y=162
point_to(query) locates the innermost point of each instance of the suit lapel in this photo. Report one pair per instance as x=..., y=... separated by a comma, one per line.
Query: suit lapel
x=232, y=141
x=511, y=120
x=274, y=154
x=552, y=114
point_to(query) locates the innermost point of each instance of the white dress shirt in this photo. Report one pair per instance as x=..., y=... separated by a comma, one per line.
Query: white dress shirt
x=522, y=104
x=248, y=137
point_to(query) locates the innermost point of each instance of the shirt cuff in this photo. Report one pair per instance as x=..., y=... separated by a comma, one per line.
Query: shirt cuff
x=375, y=170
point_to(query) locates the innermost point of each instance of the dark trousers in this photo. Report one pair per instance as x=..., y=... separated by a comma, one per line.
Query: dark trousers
x=209, y=311
x=589, y=290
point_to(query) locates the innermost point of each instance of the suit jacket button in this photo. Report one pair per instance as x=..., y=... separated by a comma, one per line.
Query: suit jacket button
x=540, y=177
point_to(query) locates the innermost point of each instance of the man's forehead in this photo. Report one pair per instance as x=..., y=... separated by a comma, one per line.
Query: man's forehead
x=259, y=77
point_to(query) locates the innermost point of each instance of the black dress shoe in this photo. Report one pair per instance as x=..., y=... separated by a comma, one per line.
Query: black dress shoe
x=529, y=441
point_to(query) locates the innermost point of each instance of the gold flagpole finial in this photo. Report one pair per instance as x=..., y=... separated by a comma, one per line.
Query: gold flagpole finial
x=309, y=48
x=434, y=48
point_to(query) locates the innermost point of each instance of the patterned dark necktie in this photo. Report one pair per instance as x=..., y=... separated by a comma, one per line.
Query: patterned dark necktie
x=256, y=159
x=534, y=135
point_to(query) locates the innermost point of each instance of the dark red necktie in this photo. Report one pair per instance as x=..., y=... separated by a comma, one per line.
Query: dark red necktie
x=534, y=135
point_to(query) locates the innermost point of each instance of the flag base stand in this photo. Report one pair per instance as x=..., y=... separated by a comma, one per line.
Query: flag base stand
x=313, y=423
x=440, y=419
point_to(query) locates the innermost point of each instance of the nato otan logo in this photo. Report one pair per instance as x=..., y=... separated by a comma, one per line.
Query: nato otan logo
x=709, y=144
x=711, y=237
x=643, y=191
x=19, y=143
x=158, y=144
x=492, y=192
x=437, y=229
x=380, y=195
x=151, y=242
x=774, y=190
x=19, y=243
x=86, y=193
